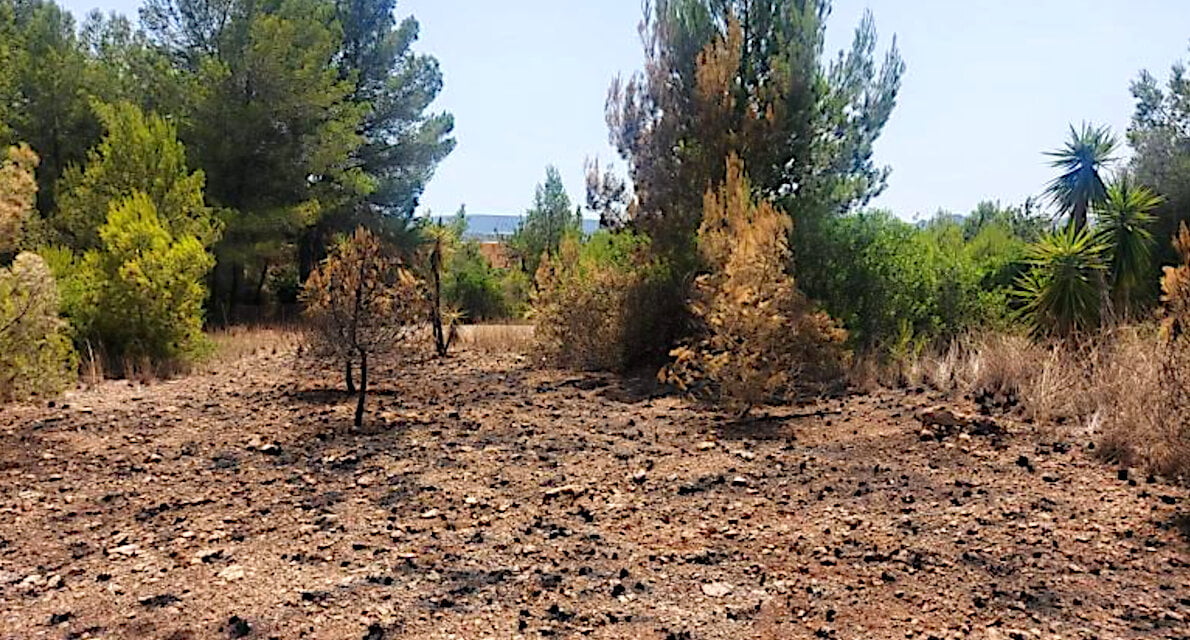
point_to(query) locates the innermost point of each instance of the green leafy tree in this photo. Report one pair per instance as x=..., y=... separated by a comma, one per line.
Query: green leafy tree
x=1123, y=225
x=138, y=153
x=1061, y=293
x=546, y=223
x=1079, y=187
x=51, y=73
x=402, y=141
x=273, y=126
x=8, y=66
x=125, y=66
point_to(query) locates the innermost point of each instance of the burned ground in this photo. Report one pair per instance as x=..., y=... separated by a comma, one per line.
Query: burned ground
x=487, y=499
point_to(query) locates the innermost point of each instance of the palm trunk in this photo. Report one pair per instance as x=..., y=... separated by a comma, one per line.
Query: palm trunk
x=1078, y=217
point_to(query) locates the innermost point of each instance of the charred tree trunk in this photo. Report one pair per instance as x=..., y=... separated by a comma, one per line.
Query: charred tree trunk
x=264, y=274
x=363, y=389
x=234, y=293
x=436, y=312
x=350, y=379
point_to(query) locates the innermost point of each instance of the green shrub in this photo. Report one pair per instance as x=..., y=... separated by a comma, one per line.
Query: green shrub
x=600, y=306
x=1062, y=292
x=475, y=288
x=139, y=152
x=897, y=286
x=138, y=298
x=36, y=357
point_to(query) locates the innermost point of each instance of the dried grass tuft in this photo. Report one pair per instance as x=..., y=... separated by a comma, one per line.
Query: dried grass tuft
x=496, y=338
x=1127, y=387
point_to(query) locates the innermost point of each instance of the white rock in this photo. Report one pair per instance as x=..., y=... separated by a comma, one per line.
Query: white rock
x=716, y=589
x=234, y=572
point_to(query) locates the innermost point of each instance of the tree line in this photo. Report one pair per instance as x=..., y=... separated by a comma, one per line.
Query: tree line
x=205, y=154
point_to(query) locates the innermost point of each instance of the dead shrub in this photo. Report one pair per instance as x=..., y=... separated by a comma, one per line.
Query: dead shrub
x=362, y=302
x=759, y=337
x=594, y=311
x=496, y=338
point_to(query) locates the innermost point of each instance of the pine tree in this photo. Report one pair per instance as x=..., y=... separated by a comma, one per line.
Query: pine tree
x=362, y=302
x=760, y=336
x=546, y=223
x=139, y=152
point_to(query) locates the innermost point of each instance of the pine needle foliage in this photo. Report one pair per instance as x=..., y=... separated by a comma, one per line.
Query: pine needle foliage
x=36, y=357
x=139, y=296
x=760, y=336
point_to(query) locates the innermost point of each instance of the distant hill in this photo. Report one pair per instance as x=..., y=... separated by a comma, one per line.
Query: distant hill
x=492, y=226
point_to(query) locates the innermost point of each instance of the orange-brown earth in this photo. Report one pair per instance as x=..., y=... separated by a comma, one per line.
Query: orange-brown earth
x=487, y=499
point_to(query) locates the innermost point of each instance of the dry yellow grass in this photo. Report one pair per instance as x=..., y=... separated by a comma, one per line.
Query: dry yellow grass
x=496, y=338
x=236, y=343
x=1127, y=388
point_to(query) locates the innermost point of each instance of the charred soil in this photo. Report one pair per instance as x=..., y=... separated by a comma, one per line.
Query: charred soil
x=488, y=499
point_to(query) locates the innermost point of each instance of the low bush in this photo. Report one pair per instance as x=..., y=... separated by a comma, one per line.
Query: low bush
x=480, y=291
x=899, y=288
x=36, y=357
x=600, y=305
x=138, y=299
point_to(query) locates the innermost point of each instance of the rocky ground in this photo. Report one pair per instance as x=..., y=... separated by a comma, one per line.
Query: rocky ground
x=487, y=499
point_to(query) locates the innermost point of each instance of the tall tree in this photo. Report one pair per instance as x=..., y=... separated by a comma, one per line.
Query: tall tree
x=748, y=77
x=402, y=141
x=545, y=224
x=1079, y=187
x=1160, y=139
x=274, y=126
x=51, y=70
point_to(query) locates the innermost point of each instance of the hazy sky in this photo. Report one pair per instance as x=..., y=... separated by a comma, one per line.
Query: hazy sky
x=990, y=85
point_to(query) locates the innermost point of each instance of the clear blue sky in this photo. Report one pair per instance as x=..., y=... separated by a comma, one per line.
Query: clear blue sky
x=990, y=85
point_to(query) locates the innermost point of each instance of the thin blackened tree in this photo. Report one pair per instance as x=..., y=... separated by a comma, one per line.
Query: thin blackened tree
x=362, y=302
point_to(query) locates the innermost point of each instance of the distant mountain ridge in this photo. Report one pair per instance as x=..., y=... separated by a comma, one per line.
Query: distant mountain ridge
x=492, y=226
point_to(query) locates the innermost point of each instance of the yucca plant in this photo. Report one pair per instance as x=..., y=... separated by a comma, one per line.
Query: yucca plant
x=1061, y=291
x=1122, y=225
x=1079, y=186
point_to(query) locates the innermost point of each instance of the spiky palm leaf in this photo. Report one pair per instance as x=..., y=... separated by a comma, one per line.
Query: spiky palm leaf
x=1079, y=186
x=1061, y=292
x=1122, y=225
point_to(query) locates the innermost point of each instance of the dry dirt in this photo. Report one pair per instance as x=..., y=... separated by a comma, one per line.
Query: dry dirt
x=487, y=499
